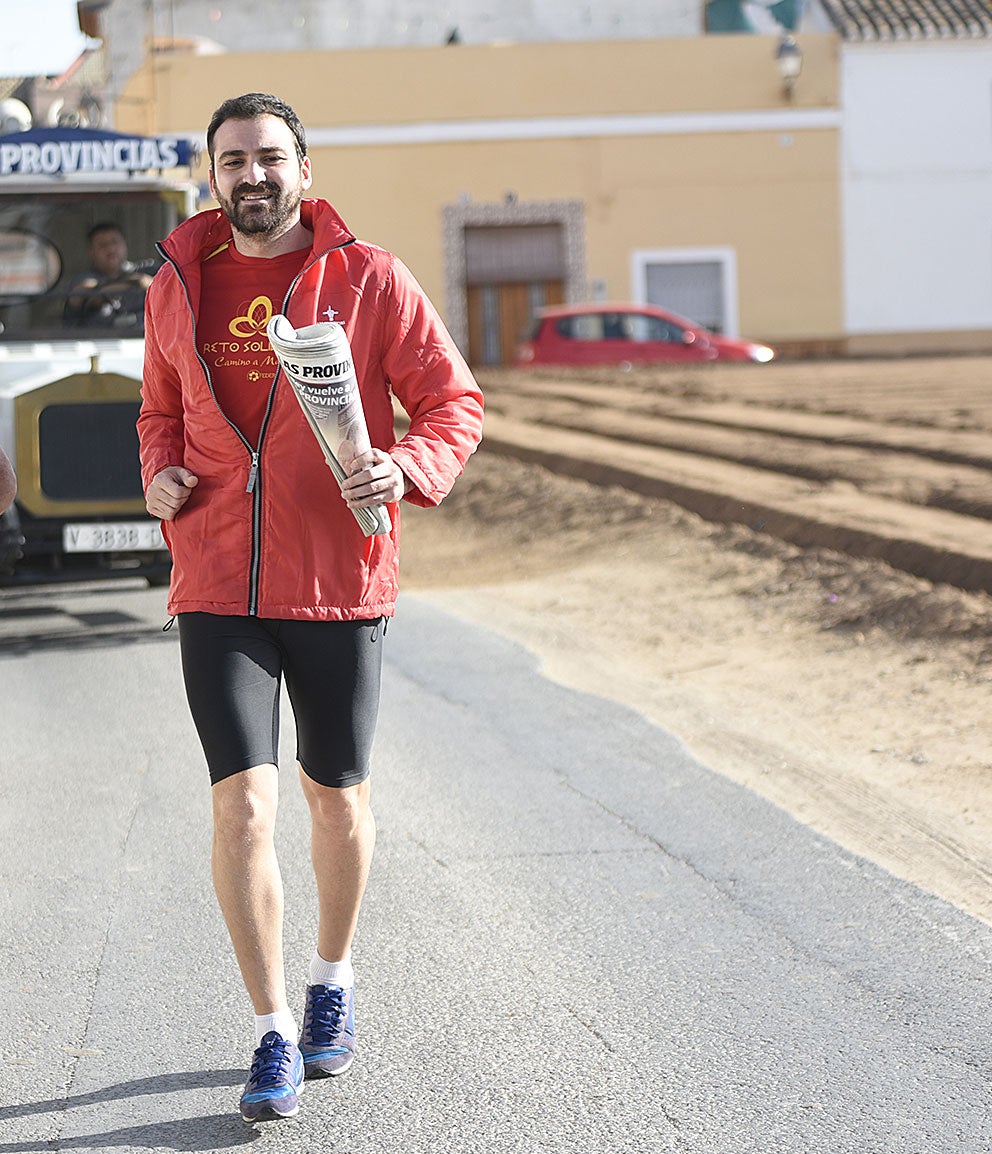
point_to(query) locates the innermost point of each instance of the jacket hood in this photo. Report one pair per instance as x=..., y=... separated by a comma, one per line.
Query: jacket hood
x=205, y=231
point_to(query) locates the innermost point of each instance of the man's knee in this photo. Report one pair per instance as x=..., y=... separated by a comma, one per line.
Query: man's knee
x=342, y=811
x=244, y=806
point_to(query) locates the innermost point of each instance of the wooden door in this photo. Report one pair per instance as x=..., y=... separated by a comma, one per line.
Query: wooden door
x=498, y=315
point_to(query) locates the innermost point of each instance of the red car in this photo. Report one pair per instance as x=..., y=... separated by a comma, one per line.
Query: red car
x=623, y=334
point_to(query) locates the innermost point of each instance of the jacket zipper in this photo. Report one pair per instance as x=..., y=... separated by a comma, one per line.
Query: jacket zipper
x=255, y=474
x=254, y=485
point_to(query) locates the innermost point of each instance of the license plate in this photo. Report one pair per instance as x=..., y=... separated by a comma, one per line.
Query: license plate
x=112, y=537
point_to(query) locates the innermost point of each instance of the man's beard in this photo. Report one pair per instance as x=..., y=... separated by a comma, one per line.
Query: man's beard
x=256, y=217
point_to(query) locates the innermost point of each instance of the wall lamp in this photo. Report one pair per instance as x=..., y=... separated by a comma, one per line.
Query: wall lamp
x=789, y=58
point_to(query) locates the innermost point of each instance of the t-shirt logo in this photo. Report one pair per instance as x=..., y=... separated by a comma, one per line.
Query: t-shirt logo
x=238, y=298
x=255, y=319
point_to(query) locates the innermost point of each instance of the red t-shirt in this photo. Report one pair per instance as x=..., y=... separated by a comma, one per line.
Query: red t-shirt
x=238, y=297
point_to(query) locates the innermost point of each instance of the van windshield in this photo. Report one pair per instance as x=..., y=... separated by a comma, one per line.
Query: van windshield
x=76, y=264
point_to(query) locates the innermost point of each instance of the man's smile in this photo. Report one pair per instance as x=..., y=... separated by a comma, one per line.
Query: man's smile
x=256, y=195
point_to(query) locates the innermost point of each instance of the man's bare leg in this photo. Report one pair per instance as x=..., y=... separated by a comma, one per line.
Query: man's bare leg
x=341, y=846
x=248, y=883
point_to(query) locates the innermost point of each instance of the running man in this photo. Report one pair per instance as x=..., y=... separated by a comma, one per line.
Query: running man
x=272, y=577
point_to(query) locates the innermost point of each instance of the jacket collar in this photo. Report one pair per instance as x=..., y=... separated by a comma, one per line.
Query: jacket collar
x=206, y=231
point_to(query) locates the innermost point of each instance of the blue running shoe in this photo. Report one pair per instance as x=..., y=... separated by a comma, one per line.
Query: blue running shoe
x=275, y=1081
x=328, y=1039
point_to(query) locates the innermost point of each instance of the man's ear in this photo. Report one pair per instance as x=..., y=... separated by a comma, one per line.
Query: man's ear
x=210, y=181
x=305, y=173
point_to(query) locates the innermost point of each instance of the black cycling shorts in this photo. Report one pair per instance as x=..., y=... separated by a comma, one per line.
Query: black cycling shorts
x=233, y=668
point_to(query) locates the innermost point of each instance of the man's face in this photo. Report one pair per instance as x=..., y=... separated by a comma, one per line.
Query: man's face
x=256, y=176
x=108, y=252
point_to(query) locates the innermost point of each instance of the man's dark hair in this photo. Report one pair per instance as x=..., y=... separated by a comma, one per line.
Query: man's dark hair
x=249, y=107
x=104, y=226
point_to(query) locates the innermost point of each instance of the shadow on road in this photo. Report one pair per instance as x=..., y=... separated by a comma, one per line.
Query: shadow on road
x=206, y=1132
x=22, y=644
x=30, y=623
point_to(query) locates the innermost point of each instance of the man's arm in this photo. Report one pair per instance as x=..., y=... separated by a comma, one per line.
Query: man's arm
x=436, y=388
x=88, y=294
x=83, y=297
x=161, y=440
x=135, y=279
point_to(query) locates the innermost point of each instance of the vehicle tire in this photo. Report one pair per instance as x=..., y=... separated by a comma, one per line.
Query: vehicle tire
x=11, y=539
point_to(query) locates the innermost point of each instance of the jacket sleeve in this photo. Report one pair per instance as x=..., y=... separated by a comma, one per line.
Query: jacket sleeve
x=160, y=420
x=435, y=386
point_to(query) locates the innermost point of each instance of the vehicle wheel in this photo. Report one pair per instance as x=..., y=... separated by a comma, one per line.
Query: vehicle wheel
x=11, y=539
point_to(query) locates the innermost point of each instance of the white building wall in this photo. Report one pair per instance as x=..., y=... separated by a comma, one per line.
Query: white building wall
x=917, y=186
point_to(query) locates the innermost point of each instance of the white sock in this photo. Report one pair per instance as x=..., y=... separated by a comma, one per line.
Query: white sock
x=282, y=1021
x=324, y=973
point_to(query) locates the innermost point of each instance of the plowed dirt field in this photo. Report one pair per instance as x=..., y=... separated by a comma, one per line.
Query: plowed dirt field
x=789, y=566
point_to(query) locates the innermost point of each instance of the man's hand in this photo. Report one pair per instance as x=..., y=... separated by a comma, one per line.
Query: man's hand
x=375, y=479
x=169, y=491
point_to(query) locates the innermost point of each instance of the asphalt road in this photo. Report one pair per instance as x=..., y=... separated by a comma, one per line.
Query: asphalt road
x=576, y=937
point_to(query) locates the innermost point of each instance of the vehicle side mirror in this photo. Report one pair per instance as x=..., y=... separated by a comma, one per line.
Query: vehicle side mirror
x=29, y=265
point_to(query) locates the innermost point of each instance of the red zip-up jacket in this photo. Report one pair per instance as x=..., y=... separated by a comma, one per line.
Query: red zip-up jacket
x=265, y=531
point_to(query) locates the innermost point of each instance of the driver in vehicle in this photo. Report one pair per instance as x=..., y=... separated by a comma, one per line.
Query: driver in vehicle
x=111, y=293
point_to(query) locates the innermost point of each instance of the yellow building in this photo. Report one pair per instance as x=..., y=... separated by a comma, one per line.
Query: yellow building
x=508, y=175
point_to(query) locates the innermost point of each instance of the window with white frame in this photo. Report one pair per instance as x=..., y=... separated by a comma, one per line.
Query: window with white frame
x=699, y=284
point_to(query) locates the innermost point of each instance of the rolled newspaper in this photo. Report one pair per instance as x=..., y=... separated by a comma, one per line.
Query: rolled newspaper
x=317, y=362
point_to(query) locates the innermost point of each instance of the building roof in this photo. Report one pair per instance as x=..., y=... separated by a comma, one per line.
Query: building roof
x=910, y=19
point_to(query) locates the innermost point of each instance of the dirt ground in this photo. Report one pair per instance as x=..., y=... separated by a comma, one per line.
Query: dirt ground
x=853, y=695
